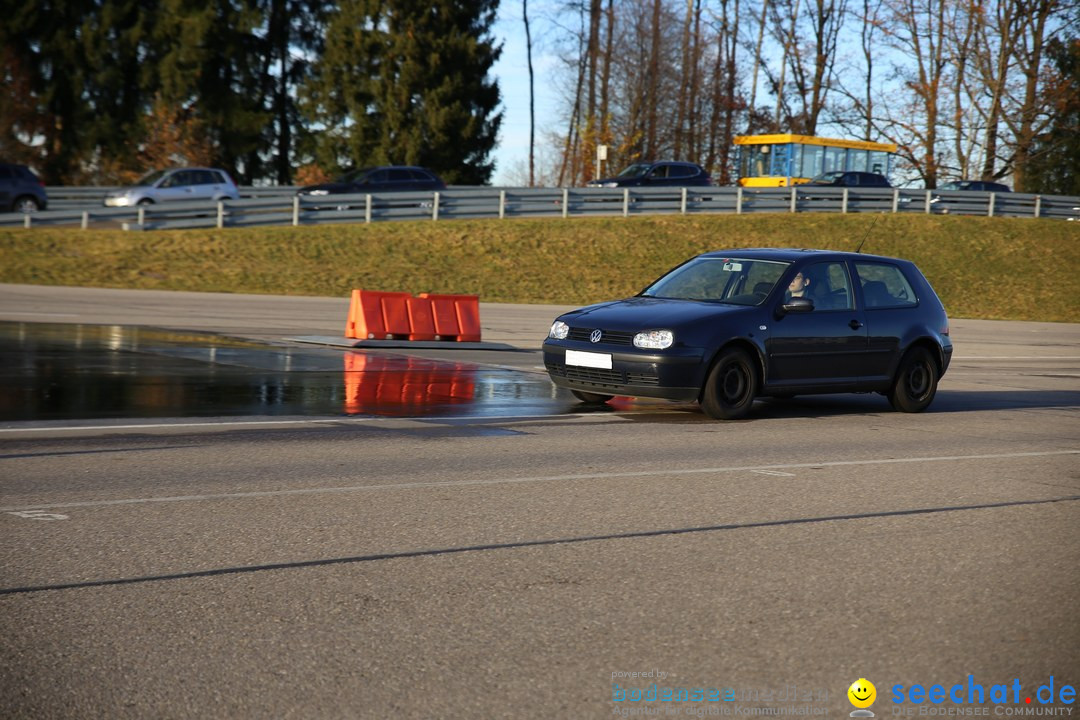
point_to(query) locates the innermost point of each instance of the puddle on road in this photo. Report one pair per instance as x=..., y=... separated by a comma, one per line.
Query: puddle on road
x=62, y=372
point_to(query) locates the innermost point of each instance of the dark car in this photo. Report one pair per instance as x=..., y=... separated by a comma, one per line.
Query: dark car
x=850, y=178
x=723, y=330
x=378, y=179
x=21, y=190
x=975, y=186
x=953, y=196
x=657, y=174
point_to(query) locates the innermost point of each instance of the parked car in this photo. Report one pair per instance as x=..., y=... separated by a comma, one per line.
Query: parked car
x=722, y=329
x=194, y=183
x=851, y=178
x=21, y=190
x=657, y=174
x=390, y=178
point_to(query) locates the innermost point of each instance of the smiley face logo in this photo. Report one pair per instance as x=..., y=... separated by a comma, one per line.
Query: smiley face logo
x=862, y=693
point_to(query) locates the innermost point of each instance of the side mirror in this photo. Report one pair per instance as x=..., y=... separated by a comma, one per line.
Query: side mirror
x=796, y=305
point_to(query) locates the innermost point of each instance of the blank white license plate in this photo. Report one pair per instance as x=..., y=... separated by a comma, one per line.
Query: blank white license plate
x=588, y=359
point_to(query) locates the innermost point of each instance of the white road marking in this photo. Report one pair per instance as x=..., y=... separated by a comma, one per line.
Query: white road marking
x=775, y=473
x=37, y=515
x=536, y=479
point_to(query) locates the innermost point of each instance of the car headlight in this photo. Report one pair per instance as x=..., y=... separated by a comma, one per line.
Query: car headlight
x=609, y=184
x=654, y=339
x=559, y=330
x=316, y=192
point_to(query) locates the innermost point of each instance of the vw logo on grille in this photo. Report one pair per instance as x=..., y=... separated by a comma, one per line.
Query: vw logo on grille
x=594, y=336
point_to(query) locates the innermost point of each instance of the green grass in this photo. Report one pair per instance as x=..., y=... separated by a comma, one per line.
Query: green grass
x=998, y=268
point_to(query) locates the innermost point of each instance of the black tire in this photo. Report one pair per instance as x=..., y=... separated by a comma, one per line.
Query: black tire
x=916, y=381
x=145, y=201
x=731, y=387
x=591, y=398
x=25, y=204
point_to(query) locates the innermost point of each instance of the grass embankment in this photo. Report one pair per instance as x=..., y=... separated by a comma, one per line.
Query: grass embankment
x=982, y=267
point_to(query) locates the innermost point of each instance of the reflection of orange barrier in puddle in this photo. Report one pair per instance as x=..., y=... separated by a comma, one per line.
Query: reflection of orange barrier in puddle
x=397, y=385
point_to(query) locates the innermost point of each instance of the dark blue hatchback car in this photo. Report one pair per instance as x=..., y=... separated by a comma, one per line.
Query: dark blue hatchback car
x=727, y=327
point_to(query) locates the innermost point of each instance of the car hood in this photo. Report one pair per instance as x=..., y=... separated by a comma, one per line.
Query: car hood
x=328, y=187
x=621, y=181
x=649, y=313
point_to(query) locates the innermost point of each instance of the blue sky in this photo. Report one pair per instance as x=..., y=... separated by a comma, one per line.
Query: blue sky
x=513, y=75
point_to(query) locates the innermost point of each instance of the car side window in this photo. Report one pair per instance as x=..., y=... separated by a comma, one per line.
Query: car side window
x=660, y=171
x=884, y=286
x=829, y=286
x=400, y=175
x=681, y=171
x=379, y=176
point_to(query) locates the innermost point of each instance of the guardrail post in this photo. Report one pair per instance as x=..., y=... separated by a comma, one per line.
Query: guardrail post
x=927, y=210
x=738, y=201
x=1038, y=205
x=26, y=221
x=682, y=209
x=367, y=208
x=565, y=202
x=843, y=203
x=895, y=200
x=502, y=204
x=626, y=202
x=990, y=209
x=220, y=214
x=435, y=206
x=142, y=216
x=85, y=219
x=296, y=210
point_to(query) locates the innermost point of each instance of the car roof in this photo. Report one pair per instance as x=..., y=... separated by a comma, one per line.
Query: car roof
x=794, y=254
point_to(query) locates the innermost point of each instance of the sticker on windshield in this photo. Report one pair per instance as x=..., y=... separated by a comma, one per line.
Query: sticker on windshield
x=730, y=266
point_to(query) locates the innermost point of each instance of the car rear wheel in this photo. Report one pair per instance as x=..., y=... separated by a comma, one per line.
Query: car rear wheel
x=916, y=382
x=145, y=201
x=26, y=204
x=731, y=387
x=591, y=398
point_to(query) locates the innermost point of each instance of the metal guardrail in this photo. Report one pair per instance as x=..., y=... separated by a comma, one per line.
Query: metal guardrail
x=281, y=206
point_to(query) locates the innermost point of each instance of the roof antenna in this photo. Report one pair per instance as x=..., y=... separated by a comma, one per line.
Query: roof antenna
x=859, y=249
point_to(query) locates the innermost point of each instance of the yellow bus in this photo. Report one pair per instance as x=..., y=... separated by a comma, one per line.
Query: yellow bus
x=785, y=159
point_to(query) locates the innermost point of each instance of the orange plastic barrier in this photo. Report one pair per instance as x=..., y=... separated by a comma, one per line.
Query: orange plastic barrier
x=458, y=315
x=377, y=315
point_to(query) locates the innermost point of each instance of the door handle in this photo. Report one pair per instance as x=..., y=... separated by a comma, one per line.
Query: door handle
x=854, y=324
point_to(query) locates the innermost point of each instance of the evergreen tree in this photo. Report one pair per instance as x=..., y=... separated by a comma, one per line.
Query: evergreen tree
x=1054, y=166
x=406, y=82
x=208, y=66
x=44, y=112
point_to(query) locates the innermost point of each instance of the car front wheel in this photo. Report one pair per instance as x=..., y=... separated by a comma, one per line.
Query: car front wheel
x=916, y=382
x=590, y=398
x=731, y=386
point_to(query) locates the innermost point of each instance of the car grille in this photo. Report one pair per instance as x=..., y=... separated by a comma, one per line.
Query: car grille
x=609, y=337
x=603, y=377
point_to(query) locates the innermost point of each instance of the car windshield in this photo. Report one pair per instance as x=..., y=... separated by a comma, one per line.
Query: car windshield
x=355, y=176
x=950, y=186
x=738, y=281
x=829, y=177
x=150, y=178
x=635, y=170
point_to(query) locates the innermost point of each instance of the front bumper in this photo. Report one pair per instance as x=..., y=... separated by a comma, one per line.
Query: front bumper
x=674, y=374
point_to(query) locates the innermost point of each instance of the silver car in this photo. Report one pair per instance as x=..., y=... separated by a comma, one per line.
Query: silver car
x=176, y=184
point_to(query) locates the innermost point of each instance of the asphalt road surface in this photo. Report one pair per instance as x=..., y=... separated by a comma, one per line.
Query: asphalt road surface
x=545, y=565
